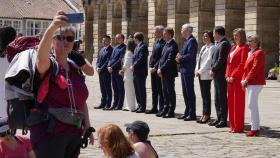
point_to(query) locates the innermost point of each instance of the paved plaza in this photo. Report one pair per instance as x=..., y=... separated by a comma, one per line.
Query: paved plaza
x=173, y=138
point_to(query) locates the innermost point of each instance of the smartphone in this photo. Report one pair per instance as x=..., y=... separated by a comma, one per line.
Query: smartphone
x=75, y=17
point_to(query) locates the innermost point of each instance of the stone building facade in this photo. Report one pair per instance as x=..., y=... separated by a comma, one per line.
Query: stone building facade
x=128, y=16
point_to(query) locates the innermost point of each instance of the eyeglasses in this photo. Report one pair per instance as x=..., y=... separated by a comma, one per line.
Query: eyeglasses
x=63, y=38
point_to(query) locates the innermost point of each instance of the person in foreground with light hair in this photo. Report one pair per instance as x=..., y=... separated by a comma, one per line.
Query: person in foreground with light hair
x=253, y=80
x=67, y=92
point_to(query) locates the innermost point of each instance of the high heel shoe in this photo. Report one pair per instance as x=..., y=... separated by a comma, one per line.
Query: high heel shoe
x=253, y=133
x=203, y=121
x=200, y=119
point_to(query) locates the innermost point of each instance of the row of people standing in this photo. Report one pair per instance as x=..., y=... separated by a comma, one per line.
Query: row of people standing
x=220, y=62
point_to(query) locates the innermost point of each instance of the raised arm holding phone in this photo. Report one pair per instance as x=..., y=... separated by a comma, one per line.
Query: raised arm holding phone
x=59, y=37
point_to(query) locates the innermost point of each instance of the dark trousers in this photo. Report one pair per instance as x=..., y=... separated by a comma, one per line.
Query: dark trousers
x=65, y=145
x=118, y=88
x=205, y=89
x=189, y=94
x=157, y=96
x=221, y=97
x=140, y=91
x=168, y=89
x=106, y=89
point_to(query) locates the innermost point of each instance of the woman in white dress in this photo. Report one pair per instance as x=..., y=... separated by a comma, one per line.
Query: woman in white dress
x=128, y=77
x=7, y=35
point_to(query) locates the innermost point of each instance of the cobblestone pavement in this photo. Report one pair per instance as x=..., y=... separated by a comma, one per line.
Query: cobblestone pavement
x=173, y=138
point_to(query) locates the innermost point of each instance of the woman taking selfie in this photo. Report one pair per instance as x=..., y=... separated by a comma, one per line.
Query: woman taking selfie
x=67, y=92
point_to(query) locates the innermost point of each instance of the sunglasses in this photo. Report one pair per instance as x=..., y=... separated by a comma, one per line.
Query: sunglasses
x=63, y=38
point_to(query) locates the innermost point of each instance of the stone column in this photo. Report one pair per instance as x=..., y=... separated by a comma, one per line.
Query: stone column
x=262, y=18
x=230, y=14
x=114, y=18
x=157, y=15
x=99, y=23
x=88, y=32
x=202, y=17
x=177, y=15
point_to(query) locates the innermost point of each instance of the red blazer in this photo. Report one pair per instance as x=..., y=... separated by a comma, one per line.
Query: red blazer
x=235, y=68
x=254, y=68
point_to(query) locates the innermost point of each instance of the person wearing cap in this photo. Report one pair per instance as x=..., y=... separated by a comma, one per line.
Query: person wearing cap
x=13, y=146
x=138, y=132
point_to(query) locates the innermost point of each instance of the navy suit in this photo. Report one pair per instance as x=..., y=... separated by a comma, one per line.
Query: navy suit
x=187, y=67
x=104, y=76
x=157, y=96
x=168, y=67
x=117, y=80
x=218, y=66
x=140, y=65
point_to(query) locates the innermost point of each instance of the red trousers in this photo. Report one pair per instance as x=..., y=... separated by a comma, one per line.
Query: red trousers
x=236, y=106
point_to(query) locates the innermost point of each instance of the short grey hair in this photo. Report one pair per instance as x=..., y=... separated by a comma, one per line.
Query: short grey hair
x=159, y=28
x=187, y=27
x=65, y=29
x=255, y=38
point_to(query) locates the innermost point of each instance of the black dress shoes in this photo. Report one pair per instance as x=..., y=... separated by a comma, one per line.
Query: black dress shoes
x=118, y=108
x=112, y=108
x=99, y=107
x=190, y=118
x=182, y=117
x=135, y=109
x=161, y=114
x=140, y=111
x=221, y=124
x=213, y=123
x=152, y=111
x=169, y=115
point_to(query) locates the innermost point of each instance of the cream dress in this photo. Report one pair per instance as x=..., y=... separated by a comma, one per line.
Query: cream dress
x=130, y=99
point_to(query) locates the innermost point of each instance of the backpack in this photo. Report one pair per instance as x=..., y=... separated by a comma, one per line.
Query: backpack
x=20, y=44
x=21, y=88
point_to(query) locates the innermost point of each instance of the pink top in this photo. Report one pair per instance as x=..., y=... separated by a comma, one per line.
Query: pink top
x=22, y=149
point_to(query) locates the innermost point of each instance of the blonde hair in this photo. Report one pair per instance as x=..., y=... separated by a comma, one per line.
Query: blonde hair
x=114, y=142
x=242, y=35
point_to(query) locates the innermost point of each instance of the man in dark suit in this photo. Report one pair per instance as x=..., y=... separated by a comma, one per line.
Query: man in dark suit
x=167, y=70
x=114, y=66
x=104, y=75
x=140, y=71
x=157, y=96
x=187, y=61
x=218, y=69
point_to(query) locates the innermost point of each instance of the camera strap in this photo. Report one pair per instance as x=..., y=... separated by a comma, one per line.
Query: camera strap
x=73, y=107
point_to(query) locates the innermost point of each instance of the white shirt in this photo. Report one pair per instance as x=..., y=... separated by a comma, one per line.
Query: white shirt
x=4, y=64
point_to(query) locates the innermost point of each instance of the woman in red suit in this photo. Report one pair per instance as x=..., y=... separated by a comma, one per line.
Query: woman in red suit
x=253, y=80
x=235, y=68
